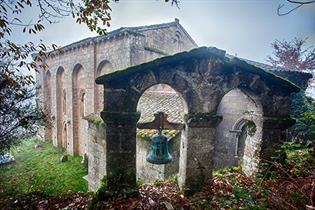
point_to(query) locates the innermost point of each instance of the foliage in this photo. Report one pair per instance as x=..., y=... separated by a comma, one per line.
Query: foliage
x=38, y=200
x=19, y=115
x=147, y=134
x=293, y=55
x=303, y=111
x=41, y=170
x=295, y=159
x=250, y=127
x=293, y=188
x=289, y=177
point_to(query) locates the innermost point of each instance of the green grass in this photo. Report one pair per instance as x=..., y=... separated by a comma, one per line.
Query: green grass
x=41, y=170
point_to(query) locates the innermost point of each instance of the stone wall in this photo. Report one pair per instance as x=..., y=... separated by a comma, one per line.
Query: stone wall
x=202, y=77
x=146, y=171
x=96, y=155
x=237, y=109
x=83, y=61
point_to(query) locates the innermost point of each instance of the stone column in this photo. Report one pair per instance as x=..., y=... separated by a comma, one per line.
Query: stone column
x=273, y=134
x=120, y=135
x=196, y=151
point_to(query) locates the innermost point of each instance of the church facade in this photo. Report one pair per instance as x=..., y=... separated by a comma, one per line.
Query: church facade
x=67, y=89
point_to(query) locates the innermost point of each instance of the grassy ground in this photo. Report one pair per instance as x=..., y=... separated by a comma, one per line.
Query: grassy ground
x=41, y=170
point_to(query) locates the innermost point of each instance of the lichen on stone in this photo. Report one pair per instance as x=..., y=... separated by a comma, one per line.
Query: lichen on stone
x=94, y=118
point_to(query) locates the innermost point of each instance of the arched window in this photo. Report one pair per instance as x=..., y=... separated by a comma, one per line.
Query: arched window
x=177, y=42
x=236, y=137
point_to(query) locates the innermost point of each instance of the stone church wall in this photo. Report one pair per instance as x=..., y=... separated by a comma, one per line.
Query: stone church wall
x=83, y=61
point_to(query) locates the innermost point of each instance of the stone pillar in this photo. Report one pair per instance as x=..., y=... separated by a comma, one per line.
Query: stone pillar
x=196, y=151
x=273, y=134
x=120, y=135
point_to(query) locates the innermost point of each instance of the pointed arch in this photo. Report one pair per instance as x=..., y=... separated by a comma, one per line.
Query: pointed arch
x=233, y=143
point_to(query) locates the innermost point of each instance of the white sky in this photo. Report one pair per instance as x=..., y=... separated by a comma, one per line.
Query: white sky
x=242, y=27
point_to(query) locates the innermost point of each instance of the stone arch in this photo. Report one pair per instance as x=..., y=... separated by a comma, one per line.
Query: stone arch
x=168, y=87
x=233, y=147
x=202, y=77
x=153, y=100
x=104, y=67
x=139, y=83
x=60, y=105
x=78, y=84
x=47, y=103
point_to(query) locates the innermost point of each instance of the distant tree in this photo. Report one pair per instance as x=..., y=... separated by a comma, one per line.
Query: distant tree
x=293, y=55
x=19, y=116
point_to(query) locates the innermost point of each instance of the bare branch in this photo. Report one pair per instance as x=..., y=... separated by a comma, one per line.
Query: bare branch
x=297, y=4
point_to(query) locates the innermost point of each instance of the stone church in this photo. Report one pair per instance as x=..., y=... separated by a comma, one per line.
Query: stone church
x=69, y=94
x=68, y=88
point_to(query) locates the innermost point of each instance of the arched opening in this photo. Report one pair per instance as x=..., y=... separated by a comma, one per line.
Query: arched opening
x=158, y=98
x=239, y=133
x=47, y=103
x=103, y=68
x=178, y=42
x=78, y=110
x=60, y=105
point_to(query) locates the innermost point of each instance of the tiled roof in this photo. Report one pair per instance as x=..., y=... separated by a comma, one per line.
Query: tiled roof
x=155, y=101
x=152, y=102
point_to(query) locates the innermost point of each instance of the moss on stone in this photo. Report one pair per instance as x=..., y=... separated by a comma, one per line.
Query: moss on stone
x=202, y=52
x=95, y=119
x=153, y=49
x=207, y=119
x=120, y=117
x=270, y=76
x=121, y=78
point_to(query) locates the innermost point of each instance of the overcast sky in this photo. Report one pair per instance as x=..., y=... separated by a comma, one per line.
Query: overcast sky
x=241, y=27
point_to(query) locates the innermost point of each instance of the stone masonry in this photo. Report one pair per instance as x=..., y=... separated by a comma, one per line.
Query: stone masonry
x=67, y=89
x=202, y=77
x=222, y=96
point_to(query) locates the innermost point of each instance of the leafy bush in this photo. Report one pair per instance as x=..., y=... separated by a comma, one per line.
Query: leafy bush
x=303, y=110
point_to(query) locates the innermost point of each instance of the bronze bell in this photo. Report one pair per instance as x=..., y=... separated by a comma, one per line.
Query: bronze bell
x=159, y=153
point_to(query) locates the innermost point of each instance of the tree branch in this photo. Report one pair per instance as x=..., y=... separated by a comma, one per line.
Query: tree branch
x=297, y=4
